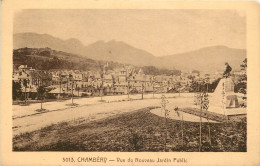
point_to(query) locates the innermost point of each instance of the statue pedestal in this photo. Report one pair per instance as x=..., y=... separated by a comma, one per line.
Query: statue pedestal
x=223, y=97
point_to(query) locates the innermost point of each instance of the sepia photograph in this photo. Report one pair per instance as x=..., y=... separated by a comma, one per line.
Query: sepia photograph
x=129, y=80
x=133, y=83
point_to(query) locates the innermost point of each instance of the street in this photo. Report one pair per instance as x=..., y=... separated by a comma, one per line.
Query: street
x=26, y=119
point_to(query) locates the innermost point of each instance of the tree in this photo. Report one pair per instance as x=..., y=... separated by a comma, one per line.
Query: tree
x=164, y=102
x=25, y=82
x=191, y=77
x=45, y=53
x=142, y=91
x=102, y=80
x=128, y=84
x=178, y=87
x=196, y=71
x=77, y=88
x=201, y=106
x=181, y=121
x=153, y=82
x=40, y=93
x=151, y=70
x=72, y=94
x=243, y=79
x=213, y=85
x=60, y=85
x=205, y=107
x=194, y=86
x=17, y=90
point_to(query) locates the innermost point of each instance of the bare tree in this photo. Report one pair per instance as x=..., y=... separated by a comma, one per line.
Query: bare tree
x=77, y=88
x=206, y=106
x=201, y=96
x=25, y=82
x=40, y=93
x=72, y=83
x=60, y=79
x=178, y=86
x=176, y=109
x=153, y=87
x=142, y=91
x=164, y=102
x=128, y=84
x=101, y=72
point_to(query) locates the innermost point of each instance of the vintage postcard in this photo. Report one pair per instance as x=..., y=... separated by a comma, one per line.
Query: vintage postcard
x=130, y=83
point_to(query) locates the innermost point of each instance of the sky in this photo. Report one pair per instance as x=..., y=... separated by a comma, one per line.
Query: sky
x=160, y=32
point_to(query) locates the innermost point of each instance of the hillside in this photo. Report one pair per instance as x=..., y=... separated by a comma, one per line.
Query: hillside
x=208, y=59
x=49, y=59
x=33, y=40
x=120, y=52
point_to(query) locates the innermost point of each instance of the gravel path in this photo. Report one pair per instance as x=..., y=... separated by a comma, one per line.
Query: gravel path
x=60, y=112
x=22, y=111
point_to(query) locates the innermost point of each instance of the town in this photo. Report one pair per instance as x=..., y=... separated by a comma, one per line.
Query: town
x=127, y=80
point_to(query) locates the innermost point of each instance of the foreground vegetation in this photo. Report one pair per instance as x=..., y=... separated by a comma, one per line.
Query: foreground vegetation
x=135, y=131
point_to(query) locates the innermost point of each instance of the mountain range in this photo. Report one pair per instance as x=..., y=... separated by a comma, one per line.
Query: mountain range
x=208, y=59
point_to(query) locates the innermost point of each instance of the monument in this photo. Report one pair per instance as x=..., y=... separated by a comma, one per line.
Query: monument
x=224, y=97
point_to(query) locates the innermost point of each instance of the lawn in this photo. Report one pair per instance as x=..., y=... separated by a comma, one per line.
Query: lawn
x=134, y=131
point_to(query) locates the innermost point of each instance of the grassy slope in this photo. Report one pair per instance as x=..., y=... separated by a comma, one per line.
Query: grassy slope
x=135, y=131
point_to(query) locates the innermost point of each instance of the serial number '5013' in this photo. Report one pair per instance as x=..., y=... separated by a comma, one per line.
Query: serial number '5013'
x=68, y=159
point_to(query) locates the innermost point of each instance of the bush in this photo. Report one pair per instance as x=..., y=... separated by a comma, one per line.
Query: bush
x=50, y=96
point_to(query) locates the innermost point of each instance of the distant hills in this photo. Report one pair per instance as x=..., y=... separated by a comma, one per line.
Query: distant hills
x=33, y=40
x=208, y=59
